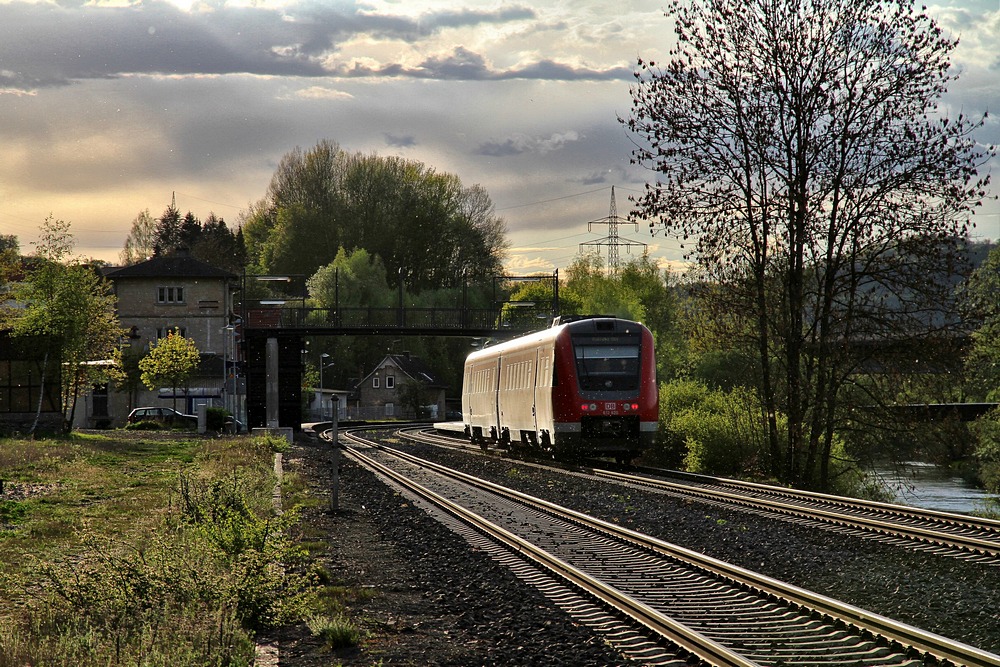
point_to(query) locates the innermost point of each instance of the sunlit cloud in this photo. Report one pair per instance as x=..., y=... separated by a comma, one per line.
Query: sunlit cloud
x=321, y=93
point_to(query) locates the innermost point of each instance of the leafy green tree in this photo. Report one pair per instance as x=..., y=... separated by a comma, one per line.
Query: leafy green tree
x=217, y=245
x=424, y=225
x=170, y=363
x=67, y=300
x=10, y=256
x=190, y=231
x=413, y=397
x=352, y=279
x=981, y=304
x=127, y=374
x=540, y=292
x=639, y=290
x=987, y=432
x=801, y=146
x=356, y=280
x=10, y=262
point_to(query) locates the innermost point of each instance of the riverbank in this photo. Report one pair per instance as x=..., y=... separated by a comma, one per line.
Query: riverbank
x=929, y=486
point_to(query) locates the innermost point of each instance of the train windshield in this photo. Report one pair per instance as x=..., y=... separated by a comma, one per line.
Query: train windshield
x=607, y=367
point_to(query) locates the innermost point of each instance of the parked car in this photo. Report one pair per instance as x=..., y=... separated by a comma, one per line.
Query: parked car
x=167, y=416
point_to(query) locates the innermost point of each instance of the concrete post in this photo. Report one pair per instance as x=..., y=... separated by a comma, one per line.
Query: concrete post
x=271, y=390
x=335, y=458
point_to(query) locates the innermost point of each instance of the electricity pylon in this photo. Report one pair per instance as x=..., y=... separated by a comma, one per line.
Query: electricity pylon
x=612, y=240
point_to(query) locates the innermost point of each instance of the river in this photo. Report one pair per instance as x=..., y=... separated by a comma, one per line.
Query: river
x=932, y=487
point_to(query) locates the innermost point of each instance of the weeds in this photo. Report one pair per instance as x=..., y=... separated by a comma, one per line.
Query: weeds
x=336, y=632
x=156, y=560
x=272, y=442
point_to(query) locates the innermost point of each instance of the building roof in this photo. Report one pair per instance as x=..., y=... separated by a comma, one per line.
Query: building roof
x=412, y=366
x=177, y=265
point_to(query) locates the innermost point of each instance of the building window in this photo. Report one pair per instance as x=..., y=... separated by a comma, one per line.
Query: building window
x=375, y=384
x=390, y=381
x=170, y=295
x=163, y=332
x=390, y=410
x=100, y=397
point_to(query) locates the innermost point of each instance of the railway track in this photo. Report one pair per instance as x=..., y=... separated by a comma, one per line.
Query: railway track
x=722, y=614
x=942, y=533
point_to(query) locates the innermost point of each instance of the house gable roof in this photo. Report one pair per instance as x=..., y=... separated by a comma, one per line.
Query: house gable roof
x=411, y=366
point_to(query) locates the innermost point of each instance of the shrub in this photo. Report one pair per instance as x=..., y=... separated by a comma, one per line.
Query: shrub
x=269, y=583
x=676, y=398
x=215, y=419
x=162, y=602
x=986, y=430
x=219, y=567
x=710, y=430
x=271, y=441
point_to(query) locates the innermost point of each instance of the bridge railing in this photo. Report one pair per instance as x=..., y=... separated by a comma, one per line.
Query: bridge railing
x=360, y=318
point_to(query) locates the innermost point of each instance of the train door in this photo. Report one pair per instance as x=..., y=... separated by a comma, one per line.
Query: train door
x=516, y=396
x=544, y=418
x=480, y=411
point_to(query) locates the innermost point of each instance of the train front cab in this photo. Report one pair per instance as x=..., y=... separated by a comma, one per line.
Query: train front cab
x=606, y=399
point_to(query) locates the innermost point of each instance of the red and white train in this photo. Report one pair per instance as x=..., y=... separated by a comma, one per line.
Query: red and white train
x=584, y=386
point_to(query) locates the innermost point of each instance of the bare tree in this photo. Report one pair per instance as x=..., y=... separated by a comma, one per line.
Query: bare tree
x=141, y=240
x=798, y=144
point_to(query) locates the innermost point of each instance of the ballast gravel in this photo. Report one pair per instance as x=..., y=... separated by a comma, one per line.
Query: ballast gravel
x=433, y=600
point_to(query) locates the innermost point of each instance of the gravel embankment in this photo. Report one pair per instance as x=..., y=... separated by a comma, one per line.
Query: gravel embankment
x=415, y=564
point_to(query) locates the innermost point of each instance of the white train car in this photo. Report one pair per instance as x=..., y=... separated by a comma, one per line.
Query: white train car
x=584, y=386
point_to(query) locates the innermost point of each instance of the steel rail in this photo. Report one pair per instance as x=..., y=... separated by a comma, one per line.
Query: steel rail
x=921, y=514
x=745, y=494
x=881, y=526
x=928, y=643
x=688, y=640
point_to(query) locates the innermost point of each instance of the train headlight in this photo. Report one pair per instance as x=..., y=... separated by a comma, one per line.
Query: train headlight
x=588, y=407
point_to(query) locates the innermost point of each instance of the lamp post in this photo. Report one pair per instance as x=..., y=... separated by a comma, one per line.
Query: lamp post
x=322, y=405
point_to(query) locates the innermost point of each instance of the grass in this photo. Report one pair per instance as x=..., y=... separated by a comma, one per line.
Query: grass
x=143, y=548
x=156, y=549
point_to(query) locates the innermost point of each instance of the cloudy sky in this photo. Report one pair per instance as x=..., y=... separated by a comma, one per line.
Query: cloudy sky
x=109, y=108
